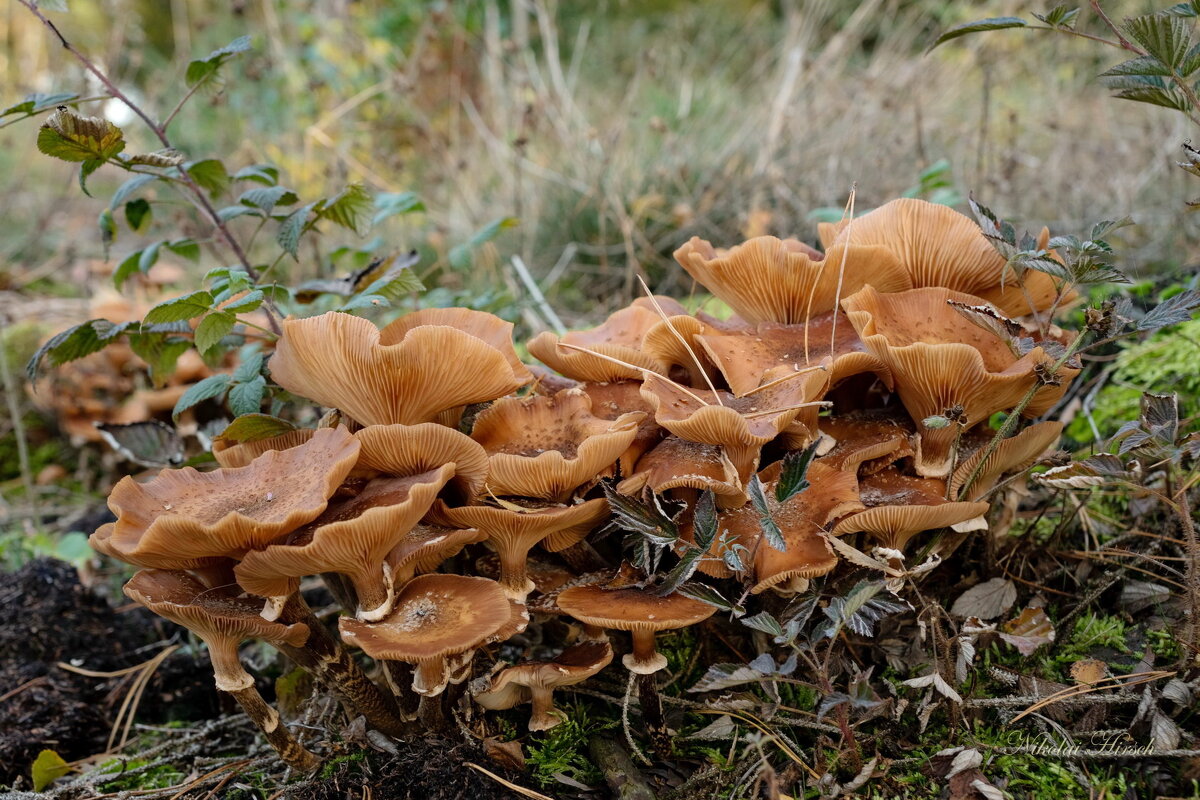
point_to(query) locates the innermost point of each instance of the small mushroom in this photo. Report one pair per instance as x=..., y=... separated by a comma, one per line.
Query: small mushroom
x=223, y=620
x=1014, y=454
x=677, y=464
x=534, y=682
x=412, y=449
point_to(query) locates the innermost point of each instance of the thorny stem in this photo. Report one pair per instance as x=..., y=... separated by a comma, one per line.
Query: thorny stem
x=160, y=132
x=1192, y=640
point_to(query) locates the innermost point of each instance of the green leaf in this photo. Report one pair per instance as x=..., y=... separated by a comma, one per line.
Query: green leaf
x=979, y=26
x=707, y=594
x=184, y=248
x=461, y=256
x=391, y=204
x=212, y=329
x=793, y=477
x=189, y=306
x=75, y=343
x=637, y=517
x=246, y=398
x=1187, y=10
x=149, y=257
x=209, y=174
x=127, y=189
x=246, y=303
x=138, y=215
x=53, y=5
x=249, y=369
x=49, y=765
x=108, y=230
x=85, y=171
x=1163, y=36
x=126, y=268
x=268, y=197
x=351, y=208
x=233, y=212
x=36, y=102
x=764, y=622
x=1175, y=309
x=160, y=351
x=212, y=386
x=291, y=228
x=758, y=499
x=252, y=427
x=265, y=174
x=1059, y=17
x=206, y=70
x=1142, y=65
x=704, y=520
x=73, y=137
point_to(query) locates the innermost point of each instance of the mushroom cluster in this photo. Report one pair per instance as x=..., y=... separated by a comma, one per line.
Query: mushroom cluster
x=449, y=462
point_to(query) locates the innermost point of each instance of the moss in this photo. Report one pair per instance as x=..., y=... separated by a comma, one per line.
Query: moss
x=564, y=748
x=334, y=765
x=159, y=777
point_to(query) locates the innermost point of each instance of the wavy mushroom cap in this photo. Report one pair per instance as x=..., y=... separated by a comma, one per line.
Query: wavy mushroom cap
x=639, y=611
x=185, y=514
x=1014, y=454
x=612, y=399
x=938, y=246
x=549, y=447
x=413, y=449
x=779, y=280
x=425, y=547
x=676, y=463
x=534, y=682
x=221, y=618
x=746, y=356
x=619, y=337
x=480, y=324
x=231, y=454
x=351, y=538
x=941, y=360
x=901, y=506
x=434, y=616
x=674, y=344
x=865, y=442
x=343, y=362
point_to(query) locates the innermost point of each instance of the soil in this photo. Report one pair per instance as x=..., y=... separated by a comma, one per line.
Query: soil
x=47, y=616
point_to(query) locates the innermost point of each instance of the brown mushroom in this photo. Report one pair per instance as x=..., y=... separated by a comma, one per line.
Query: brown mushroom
x=1014, y=454
x=223, y=620
x=867, y=441
x=231, y=454
x=676, y=464
x=412, y=449
x=534, y=682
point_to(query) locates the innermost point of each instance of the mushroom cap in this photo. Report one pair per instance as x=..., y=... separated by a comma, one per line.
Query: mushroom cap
x=632, y=609
x=674, y=344
x=351, y=538
x=231, y=454
x=412, y=449
x=867, y=441
x=900, y=506
x=342, y=361
x=1014, y=454
x=480, y=324
x=549, y=447
x=938, y=246
x=511, y=686
x=185, y=514
x=676, y=463
x=425, y=547
x=433, y=616
x=612, y=399
x=780, y=280
x=619, y=337
x=556, y=527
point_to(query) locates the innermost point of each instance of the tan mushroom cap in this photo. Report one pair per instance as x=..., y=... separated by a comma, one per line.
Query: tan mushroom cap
x=341, y=361
x=231, y=454
x=514, y=533
x=351, y=538
x=612, y=399
x=425, y=547
x=938, y=246
x=412, y=449
x=101, y=542
x=900, y=506
x=480, y=324
x=434, y=616
x=639, y=611
x=619, y=337
x=676, y=463
x=535, y=681
x=867, y=441
x=674, y=344
x=185, y=514
x=222, y=619
x=780, y=280
x=940, y=360
x=550, y=447
x=744, y=357
x=1014, y=454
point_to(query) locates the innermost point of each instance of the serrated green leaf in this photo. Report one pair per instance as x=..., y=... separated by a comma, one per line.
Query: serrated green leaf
x=265, y=174
x=138, y=215
x=979, y=26
x=1060, y=16
x=126, y=190
x=793, y=476
x=704, y=520
x=351, y=208
x=246, y=303
x=233, y=212
x=205, y=70
x=212, y=329
x=210, y=387
x=764, y=622
x=75, y=343
x=160, y=351
x=49, y=765
x=291, y=228
x=707, y=594
x=184, y=248
x=36, y=102
x=253, y=427
x=1142, y=65
x=189, y=306
x=461, y=256
x=1187, y=10
x=209, y=174
x=250, y=367
x=1171, y=311
x=70, y=136
x=1163, y=36
x=391, y=204
x=246, y=398
x=758, y=499
x=267, y=197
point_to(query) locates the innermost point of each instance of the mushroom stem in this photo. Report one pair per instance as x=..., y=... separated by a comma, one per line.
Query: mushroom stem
x=652, y=716
x=545, y=715
x=513, y=577
x=934, y=452
x=645, y=658
x=342, y=591
x=430, y=714
x=399, y=675
x=375, y=594
x=267, y=720
x=329, y=663
x=430, y=677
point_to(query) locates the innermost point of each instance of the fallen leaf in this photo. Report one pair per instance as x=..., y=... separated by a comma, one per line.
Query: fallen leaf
x=939, y=684
x=986, y=601
x=47, y=767
x=1089, y=671
x=1028, y=631
x=506, y=754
